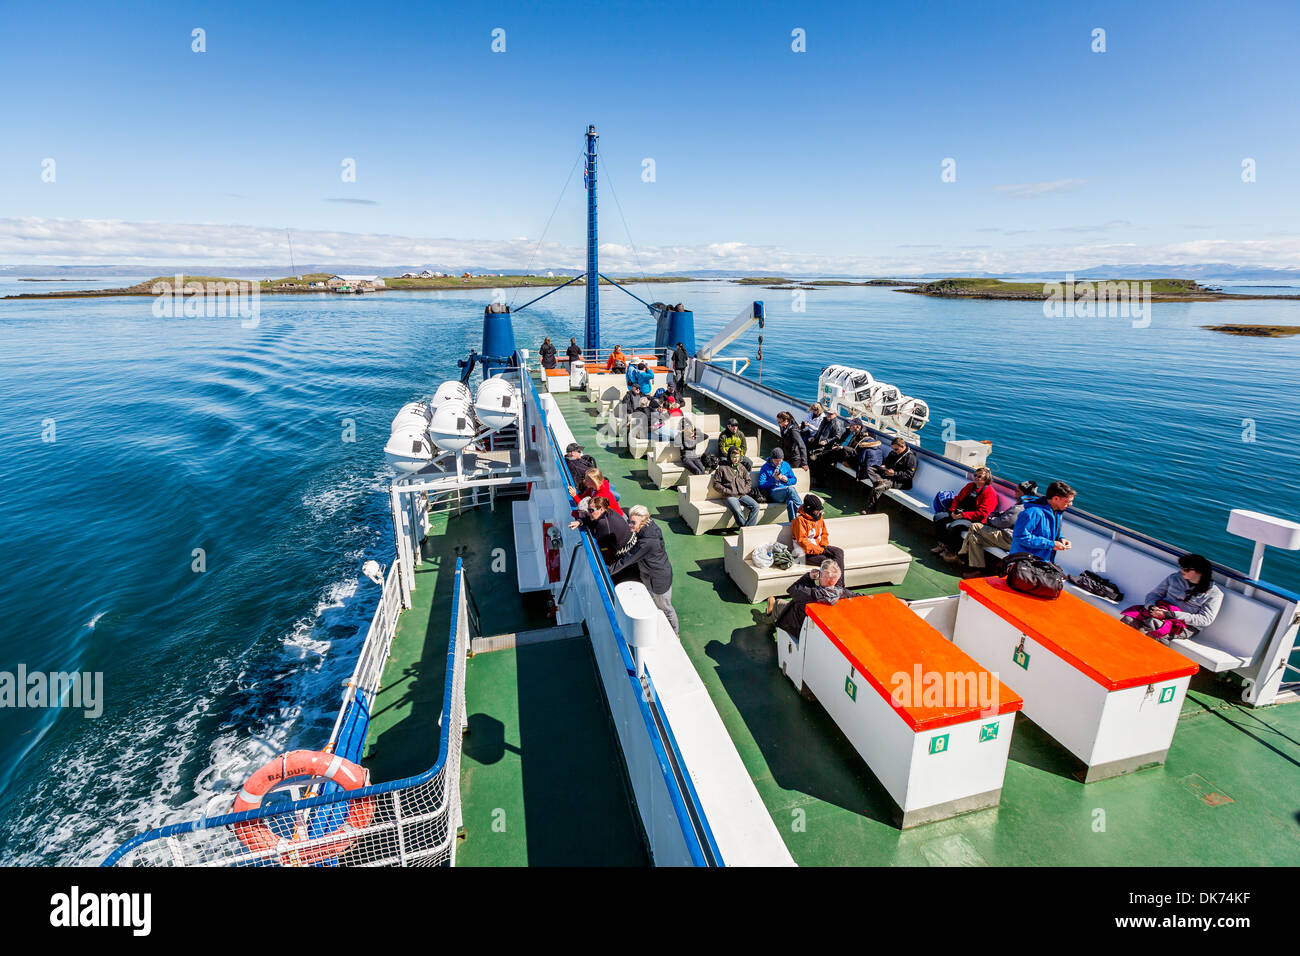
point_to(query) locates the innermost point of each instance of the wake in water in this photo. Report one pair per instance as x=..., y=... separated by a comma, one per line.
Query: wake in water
x=151, y=769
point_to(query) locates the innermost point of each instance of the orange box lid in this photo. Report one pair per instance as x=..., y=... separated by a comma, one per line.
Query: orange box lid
x=1111, y=653
x=897, y=652
x=556, y=371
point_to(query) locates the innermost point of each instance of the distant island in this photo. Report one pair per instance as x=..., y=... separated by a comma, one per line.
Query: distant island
x=1259, y=331
x=323, y=282
x=775, y=282
x=1162, y=290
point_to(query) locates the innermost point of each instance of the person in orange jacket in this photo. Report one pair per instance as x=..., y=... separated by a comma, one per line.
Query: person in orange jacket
x=616, y=358
x=811, y=539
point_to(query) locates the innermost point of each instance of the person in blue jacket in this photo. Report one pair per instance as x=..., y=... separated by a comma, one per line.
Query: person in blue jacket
x=639, y=374
x=776, y=481
x=1038, y=529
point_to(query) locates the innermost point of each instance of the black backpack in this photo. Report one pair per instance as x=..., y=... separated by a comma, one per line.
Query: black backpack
x=1030, y=575
x=1095, y=584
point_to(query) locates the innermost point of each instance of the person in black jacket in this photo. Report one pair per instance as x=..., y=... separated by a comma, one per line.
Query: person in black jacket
x=796, y=455
x=578, y=463
x=651, y=560
x=851, y=449
x=574, y=352
x=548, y=353
x=680, y=361
x=608, y=528
x=897, y=472
x=821, y=585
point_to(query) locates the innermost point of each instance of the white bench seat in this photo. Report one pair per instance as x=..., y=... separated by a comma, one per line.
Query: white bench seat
x=869, y=558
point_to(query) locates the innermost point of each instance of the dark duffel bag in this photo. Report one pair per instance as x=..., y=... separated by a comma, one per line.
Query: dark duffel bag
x=1030, y=575
x=1094, y=583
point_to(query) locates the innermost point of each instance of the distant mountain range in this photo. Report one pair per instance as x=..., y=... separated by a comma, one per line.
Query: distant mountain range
x=1209, y=271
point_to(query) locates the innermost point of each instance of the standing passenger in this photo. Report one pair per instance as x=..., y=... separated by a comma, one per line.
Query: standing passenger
x=651, y=560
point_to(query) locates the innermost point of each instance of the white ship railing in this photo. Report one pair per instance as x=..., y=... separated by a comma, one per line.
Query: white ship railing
x=413, y=822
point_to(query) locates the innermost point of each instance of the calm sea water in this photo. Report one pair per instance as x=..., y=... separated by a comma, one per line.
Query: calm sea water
x=180, y=439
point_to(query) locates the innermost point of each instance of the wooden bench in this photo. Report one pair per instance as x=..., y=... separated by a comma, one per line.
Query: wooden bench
x=665, y=459
x=873, y=665
x=869, y=558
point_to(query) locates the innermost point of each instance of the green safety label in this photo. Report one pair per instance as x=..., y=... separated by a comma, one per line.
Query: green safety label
x=939, y=744
x=850, y=688
x=1167, y=694
x=989, y=732
x=1021, y=658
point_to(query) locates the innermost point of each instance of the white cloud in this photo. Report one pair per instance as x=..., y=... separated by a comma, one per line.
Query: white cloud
x=1030, y=190
x=116, y=242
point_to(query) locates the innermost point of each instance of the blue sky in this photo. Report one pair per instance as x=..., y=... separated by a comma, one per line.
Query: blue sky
x=828, y=159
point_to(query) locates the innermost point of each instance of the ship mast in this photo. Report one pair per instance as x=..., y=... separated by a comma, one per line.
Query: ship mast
x=593, y=271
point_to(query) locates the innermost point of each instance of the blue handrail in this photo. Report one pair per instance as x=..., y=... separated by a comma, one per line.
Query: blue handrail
x=207, y=823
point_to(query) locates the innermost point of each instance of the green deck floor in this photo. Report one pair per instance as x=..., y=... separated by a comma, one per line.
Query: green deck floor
x=831, y=810
x=541, y=777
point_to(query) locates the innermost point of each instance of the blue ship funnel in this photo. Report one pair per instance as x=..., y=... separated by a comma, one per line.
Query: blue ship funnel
x=498, y=339
x=674, y=324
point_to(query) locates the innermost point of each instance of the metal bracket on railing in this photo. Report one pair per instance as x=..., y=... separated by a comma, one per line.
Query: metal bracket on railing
x=569, y=574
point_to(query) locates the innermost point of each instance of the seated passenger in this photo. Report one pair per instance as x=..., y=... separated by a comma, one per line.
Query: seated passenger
x=1038, y=529
x=733, y=480
x=776, y=483
x=693, y=444
x=730, y=438
x=897, y=471
x=594, y=484
x=617, y=360
x=829, y=434
x=975, y=502
x=851, y=449
x=821, y=585
x=1185, y=602
x=812, y=421
x=993, y=533
x=634, y=400
x=812, y=542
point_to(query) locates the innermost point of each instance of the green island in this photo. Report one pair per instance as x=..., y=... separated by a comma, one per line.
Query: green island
x=318, y=282
x=1258, y=331
x=1162, y=290
x=775, y=282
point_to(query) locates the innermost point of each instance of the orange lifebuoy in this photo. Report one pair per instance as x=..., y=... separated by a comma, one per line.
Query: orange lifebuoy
x=257, y=836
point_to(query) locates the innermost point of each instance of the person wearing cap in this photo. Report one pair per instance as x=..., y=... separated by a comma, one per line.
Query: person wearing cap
x=776, y=481
x=792, y=447
x=993, y=533
x=852, y=448
x=898, y=470
x=730, y=438
x=733, y=480
x=577, y=463
x=680, y=360
x=812, y=542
